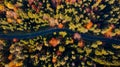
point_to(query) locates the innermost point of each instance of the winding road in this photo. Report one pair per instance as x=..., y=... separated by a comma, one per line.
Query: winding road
x=51, y=30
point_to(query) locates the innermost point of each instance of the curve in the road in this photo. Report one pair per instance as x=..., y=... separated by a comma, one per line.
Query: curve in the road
x=50, y=31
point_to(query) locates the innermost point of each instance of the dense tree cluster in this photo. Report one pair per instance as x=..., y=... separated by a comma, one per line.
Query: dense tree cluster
x=93, y=17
